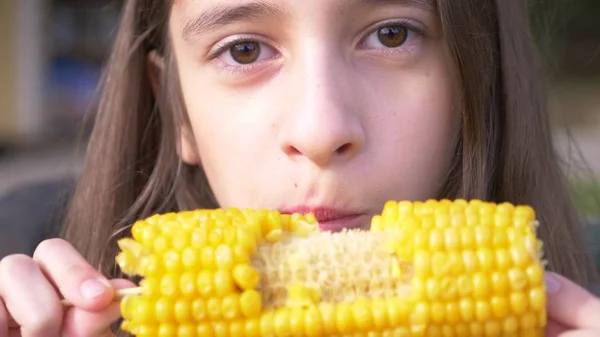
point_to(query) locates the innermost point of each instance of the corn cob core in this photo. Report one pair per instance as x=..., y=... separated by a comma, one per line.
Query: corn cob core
x=439, y=268
x=337, y=267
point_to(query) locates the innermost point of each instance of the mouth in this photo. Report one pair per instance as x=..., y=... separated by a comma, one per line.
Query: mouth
x=333, y=220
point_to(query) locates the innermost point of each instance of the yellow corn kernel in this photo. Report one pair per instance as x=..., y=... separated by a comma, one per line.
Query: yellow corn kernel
x=305, y=229
x=250, y=303
x=208, y=258
x=395, y=270
x=224, y=257
x=390, y=211
x=252, y=327
x=300, y=295
x=281, y=322
x=230, y=306
x=187, y=284
x=246, y=277
x=267, y=323
x=377, y=224
x=363, y=315
x=220, y=329
x=344, y=318
x=169, y=285
x=246, y=238
x=167, y=329
x=433, y=268
x=183, y=311
x=237, y=328
x=223, y=283
x=296, y=321
x=452, y=313
x=205, y=329
x=328, y=317
x=313, y=322
x=274, y=235
x=199, y=310
x=214, y=308
x=500, y=306
x=199, y=237
x=205, y=283
x=310, y=218
x=240, y=255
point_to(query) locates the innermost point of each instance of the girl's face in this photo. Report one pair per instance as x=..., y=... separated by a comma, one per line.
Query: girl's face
x=331, y=107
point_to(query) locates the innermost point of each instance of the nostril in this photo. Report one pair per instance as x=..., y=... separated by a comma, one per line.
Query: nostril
x=343, y=149
x=293, y=151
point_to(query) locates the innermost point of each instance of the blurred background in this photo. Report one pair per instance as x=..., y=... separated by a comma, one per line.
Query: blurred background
x=51, y=57
x=52, y=53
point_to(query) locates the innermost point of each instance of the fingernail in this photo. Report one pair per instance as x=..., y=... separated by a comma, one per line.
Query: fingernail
x=93, y=288
x=552, y=285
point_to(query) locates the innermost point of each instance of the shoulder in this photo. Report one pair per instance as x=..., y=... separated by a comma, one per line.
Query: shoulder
x=32, y=213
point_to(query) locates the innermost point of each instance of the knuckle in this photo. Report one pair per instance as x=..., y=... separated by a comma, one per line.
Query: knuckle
x=82, y=324
x=48, y=246
x=76, y=271
x=12, y=264
x=41, y=323
x=74, y=274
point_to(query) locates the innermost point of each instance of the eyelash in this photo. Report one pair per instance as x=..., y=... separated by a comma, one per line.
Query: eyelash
x=411, y=28
x=223, y=47
x=404, y=23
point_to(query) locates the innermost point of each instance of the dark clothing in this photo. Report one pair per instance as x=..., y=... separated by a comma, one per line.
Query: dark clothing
x=32, y=213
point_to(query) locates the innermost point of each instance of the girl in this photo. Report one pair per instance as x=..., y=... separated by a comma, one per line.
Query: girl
x=327, y=106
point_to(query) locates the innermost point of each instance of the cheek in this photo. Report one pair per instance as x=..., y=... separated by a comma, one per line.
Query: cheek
x=231, y=132
x=414, y=130
x=408, y=116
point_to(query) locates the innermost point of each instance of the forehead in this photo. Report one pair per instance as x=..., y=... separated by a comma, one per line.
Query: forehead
x=191, y=5
x=197, y=16
x=420, y=3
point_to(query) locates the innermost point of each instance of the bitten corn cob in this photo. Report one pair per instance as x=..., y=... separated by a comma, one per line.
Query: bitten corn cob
x=438, y=268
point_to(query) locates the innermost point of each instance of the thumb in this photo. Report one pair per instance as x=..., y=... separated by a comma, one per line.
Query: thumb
x=571, y=305
x=78, y=322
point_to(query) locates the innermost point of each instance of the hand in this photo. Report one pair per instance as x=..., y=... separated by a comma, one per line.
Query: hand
x=31, y=290
x=572, y=311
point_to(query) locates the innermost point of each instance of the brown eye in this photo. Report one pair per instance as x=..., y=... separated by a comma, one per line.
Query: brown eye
x=245, y=53
x=392, y=36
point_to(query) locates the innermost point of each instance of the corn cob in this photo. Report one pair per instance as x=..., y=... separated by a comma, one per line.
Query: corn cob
x=434, y=268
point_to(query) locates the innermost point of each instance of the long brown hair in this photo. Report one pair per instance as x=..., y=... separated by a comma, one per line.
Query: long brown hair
x=505, y=152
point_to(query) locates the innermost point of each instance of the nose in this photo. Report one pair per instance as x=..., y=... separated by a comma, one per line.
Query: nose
x=323, y=119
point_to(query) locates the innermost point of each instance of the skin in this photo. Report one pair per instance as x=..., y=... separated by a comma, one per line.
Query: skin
x=318, y=112
x=325, y=105
x=31, y=289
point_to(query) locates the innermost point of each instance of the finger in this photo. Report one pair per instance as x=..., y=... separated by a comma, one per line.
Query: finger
x=11, y=321
x=90, y=324
x=570, y=304
x=4, y=319
x=77, y=281
x=580, y=333
x=29, y=297
x=554, y=329
x=78, y=322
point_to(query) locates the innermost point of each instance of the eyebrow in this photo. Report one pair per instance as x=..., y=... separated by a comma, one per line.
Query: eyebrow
x=428, y=5
x=222, y=15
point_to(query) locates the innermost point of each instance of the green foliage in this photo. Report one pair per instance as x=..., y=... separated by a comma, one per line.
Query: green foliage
x=587, y=200
x=566, y=32
x=586, y=194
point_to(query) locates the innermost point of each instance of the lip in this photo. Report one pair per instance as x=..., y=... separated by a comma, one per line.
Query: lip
x=332, y=219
